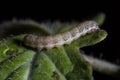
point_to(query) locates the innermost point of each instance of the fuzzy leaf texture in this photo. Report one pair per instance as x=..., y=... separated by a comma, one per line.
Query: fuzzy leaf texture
x=18, y=62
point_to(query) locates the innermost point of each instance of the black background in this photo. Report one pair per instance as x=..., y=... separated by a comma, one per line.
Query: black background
x=75, y=11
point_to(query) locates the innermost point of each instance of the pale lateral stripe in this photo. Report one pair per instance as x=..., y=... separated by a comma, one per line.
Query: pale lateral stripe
x=60, y=39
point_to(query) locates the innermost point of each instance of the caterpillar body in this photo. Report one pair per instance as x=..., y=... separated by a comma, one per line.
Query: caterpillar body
x=60, y=39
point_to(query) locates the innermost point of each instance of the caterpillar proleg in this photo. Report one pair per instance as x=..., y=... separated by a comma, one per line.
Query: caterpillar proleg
x=60, y=39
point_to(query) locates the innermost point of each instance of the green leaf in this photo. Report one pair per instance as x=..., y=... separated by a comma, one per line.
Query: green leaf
x=81, y=69
x=20, y=73
x=9, y=65
x=61, y=64
x=19, y=62
x=17, y=27
x=100, y=18
x=12, y=56
x=90, y=39
x=52, y=64
x=44, y=69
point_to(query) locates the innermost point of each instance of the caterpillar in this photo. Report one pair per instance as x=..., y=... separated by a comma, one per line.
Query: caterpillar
x=50, y=41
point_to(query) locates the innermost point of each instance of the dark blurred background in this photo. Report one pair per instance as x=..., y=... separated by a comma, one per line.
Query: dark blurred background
x=76, y=11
